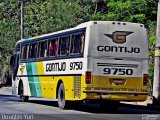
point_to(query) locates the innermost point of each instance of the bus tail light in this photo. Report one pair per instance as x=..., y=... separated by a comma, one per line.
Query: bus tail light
x=88, y=77
x=145, y=79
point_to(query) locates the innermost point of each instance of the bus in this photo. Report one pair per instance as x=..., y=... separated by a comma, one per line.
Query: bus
x=103, y=61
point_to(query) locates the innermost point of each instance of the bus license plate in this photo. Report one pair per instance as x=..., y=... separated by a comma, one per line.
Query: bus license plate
x=118, y=81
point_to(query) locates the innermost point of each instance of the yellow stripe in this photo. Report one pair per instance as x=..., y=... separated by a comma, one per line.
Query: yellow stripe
x=46, y=82
x=41, y=72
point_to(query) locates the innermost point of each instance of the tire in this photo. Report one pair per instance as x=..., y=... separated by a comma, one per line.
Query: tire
x=21, y=93
x=61, y=96
x=109, y=105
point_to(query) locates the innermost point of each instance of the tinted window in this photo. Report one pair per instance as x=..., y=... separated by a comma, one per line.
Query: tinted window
x=77, y=44
x=43, y=49
x=27, y=51
x=53, y=47
x=64, y=45
x=33, y=50
x=23, y=52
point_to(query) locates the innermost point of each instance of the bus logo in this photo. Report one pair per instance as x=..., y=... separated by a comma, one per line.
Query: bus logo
x=22, y=70
x=119, y=36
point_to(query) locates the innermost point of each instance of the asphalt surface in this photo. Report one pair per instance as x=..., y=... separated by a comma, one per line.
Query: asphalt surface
x=46, y=109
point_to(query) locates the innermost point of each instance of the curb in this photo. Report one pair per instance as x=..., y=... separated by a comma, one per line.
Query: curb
x=144, y=103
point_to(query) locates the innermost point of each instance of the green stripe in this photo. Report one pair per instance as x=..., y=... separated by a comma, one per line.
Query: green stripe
x=33, y=81
x=36, y=80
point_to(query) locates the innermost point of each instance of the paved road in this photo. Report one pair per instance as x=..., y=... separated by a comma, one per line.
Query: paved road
x=46, y=109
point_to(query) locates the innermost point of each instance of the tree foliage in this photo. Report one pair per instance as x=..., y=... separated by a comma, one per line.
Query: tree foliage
x=50, y=16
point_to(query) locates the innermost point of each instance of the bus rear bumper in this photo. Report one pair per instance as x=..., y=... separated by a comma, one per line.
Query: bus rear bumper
x=114, y=92
x=116, y=95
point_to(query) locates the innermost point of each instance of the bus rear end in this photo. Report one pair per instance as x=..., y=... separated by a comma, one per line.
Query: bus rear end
x=118, y=61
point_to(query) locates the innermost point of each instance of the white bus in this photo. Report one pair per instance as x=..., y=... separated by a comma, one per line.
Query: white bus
x=104, y=61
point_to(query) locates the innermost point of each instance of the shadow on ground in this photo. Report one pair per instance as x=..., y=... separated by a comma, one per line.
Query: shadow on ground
x=95, y=108
x=90, y=108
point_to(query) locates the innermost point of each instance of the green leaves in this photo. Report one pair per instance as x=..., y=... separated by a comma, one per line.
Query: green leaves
x=49, y=16
x=133, y=11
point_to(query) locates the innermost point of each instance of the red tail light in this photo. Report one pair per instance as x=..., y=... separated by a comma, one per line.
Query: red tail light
x=88, y=77
x=145, y=79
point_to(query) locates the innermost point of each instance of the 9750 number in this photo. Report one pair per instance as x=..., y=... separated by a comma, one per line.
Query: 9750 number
x=118, y=71
x=76, y=66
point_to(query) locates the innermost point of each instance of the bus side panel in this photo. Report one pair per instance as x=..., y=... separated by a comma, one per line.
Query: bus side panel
x=74, y=87
x=33, y=80
x=15, y=83
x=43, y=80
x=15, y=86
x=25, y=82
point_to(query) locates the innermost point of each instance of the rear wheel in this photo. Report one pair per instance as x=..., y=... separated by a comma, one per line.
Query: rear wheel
x=61, y=96
x=21, y=93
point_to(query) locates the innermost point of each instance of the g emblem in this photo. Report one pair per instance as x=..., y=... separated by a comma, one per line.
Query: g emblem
x=119, y=37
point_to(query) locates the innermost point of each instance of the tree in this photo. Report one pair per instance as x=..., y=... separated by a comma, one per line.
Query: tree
x=43, y=17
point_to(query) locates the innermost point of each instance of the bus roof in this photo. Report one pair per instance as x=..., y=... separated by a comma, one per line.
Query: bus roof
x=53, y=33
x=83, y=25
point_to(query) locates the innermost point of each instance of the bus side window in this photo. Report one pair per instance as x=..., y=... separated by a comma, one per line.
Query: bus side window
x=77, y=44
x=36, y=50
x=64, y=45
x=46, y=48
x=27, y=51
x=32, y=51
x=43, y=46
x=82, y=42
x=51, y=43
x=23, y=52
x=53, y=47
x=41, y=49
x=56, y=47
